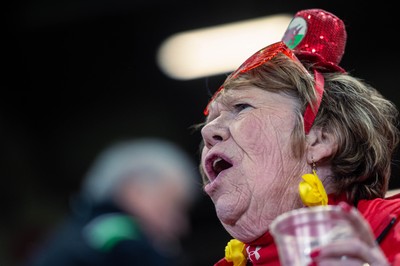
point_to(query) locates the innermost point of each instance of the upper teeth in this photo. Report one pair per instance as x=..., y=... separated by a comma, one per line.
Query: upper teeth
x=216, y=161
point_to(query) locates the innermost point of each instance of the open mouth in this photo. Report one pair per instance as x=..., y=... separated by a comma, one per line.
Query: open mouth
x=215, y=165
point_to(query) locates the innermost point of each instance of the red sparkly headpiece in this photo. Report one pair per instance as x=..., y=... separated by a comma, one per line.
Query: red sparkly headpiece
x=313, y=35
x=317, y=36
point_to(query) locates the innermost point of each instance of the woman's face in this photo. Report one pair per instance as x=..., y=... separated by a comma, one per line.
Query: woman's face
x=248, y=160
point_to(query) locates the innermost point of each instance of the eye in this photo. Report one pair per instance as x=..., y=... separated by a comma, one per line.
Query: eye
x=242, y=106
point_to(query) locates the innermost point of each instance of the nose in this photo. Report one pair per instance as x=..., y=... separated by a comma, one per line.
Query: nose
x=215, y=132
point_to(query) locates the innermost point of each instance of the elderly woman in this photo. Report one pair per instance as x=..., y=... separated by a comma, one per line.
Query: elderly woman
x=290, y=110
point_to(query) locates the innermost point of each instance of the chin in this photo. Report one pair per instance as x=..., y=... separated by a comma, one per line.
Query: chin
x=226, y=216
x=242, y=234
x=239, y=226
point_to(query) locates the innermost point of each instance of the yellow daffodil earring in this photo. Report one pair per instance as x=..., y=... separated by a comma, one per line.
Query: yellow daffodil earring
x=311, y=189
x=235, y=252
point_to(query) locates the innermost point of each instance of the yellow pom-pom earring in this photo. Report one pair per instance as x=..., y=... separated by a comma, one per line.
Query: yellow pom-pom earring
x=311, y=189
x=235, y=252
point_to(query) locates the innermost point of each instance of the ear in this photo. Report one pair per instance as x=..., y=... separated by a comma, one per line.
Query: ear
x=321, y=145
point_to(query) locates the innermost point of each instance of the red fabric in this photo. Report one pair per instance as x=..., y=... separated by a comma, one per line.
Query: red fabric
x=309, y=113
x=396, y=260
x=378, y=212
x=263, y=251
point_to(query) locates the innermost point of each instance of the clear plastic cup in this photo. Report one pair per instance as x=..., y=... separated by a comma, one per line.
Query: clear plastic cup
x=298, y=232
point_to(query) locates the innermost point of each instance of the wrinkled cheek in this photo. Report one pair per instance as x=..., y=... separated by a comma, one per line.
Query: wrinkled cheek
x=250, y=134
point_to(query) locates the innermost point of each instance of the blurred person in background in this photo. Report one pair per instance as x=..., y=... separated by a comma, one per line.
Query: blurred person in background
x=133, y=209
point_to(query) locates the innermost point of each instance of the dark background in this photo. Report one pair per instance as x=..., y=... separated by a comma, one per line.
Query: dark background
x=78, y=75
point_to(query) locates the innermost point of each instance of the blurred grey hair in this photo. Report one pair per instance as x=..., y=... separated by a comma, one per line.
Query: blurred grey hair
x=149, y=158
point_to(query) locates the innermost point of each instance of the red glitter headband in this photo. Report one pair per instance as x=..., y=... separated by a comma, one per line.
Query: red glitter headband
x=261, y=57
x=314, y=35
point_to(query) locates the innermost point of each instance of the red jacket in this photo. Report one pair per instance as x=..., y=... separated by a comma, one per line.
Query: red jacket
x=383, y=216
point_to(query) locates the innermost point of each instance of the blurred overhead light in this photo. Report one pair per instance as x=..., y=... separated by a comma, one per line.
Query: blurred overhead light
x=220, y=49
